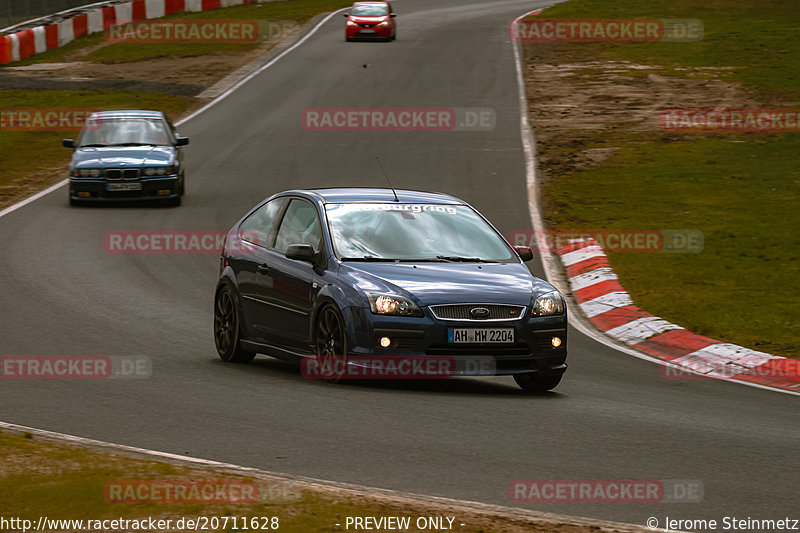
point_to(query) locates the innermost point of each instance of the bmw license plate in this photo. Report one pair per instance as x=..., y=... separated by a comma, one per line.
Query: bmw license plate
x=124, y=187
x=480, y=335
x=367, y=31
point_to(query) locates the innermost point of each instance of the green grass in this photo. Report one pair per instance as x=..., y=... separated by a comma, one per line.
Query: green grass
x=741, y=190
x=742, y=287
x=60, y=481
x=760, y=39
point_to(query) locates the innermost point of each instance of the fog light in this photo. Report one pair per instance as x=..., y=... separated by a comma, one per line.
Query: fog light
x=85, y=195
x=162, y=192
x=386, y=342
x=556, y=342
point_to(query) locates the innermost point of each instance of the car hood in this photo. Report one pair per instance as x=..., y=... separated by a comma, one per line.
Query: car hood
x=368, y=20
x=128, y=156
x=438, y=283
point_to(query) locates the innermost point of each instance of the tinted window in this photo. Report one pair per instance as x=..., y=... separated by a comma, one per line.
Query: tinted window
x=257, y=227
x=122, y=130
x=300, y=225
x=369, y=11
x=413, y=231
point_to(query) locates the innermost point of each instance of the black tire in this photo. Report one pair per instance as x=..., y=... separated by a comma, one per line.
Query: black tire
x=533, y=383
x=330, y=344
x=227, y=328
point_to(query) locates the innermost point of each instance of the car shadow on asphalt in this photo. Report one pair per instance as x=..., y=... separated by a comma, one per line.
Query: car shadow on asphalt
x=466, y=386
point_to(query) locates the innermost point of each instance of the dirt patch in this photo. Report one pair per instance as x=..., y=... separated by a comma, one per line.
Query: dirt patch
x=581, y=106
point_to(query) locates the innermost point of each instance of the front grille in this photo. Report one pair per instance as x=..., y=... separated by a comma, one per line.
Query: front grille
x=464, y=312
x=367, y=25
x=122, y=173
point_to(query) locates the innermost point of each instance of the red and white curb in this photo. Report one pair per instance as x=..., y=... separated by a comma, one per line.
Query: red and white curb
x=610, y=308
x=607, y=306
x=92, y=19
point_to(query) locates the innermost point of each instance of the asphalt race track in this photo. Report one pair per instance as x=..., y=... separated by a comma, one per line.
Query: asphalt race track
x=612, y=417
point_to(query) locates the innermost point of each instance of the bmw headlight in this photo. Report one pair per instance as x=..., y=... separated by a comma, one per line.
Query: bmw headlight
x=547, y=304
x=86, y=173
x=392, y=304
x=157, y=171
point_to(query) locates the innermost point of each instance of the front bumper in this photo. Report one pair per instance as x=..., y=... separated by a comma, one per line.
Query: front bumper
x=532, y=351
x=153, y=188
x=378, y=32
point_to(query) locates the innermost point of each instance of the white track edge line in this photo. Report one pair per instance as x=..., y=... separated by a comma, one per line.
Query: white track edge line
x=548, y=260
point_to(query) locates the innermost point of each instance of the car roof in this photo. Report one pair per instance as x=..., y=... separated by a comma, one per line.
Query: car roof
x=367, y=3
x=381, y=194
x=144, y=113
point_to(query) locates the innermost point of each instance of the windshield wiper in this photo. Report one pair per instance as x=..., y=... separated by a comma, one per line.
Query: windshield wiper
x=132, y=144
x=92, y=145
x=370, y=258
x=458, y=259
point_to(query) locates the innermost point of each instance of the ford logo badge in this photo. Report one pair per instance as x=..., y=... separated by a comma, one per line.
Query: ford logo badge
x=479, y=312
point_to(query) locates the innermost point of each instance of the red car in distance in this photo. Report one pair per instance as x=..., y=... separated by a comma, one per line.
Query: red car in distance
x=371, y=20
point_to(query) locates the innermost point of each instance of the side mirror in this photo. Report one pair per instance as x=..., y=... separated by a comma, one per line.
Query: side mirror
x=68, y=143
x=301, y=252
x=345, y=15
x=393, y=15
x=182, y=141
x=525, y=253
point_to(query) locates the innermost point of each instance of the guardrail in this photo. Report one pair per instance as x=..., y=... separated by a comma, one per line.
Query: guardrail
x=38, y=35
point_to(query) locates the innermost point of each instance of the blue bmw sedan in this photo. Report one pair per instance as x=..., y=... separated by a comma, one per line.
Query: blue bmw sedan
x=127, y=155
x=363, y=277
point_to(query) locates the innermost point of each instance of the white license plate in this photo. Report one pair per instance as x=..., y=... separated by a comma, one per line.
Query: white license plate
x=480, y=335
x=124, y=186
x=367, y=31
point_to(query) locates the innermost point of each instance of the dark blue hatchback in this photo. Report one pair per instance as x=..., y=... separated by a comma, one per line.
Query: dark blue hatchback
x=367, y=276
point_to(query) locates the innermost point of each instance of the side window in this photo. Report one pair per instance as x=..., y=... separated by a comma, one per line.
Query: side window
x=300, y=225
x=257, y=227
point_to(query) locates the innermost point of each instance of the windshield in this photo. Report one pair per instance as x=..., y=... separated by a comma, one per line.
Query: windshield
x=369, y=11
x=116, y=131
x=391, y=231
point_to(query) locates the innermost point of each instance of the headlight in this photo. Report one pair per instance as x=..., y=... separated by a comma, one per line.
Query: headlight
x=86, y=173
x=384, y=23
x=351, y=23
x=157, y=171
x=391, y=304
x=548, y=304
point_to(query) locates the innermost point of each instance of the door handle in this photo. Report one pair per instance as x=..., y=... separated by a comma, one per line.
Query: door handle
x=263, y=269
